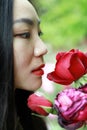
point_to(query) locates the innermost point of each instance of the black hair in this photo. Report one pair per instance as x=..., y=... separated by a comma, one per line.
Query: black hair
x=7, y=119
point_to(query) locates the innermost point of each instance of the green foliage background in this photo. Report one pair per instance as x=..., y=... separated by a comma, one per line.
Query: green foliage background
x=64, y=22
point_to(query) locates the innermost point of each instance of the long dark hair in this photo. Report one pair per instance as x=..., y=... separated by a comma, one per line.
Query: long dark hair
x=6, y=61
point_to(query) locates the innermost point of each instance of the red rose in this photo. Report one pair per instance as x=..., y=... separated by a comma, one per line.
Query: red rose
x=70, y=66
x=38, y=103
x=71, y=105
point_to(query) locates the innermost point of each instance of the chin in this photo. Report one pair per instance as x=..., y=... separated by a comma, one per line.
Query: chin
x=36, y=86
x=30, y=86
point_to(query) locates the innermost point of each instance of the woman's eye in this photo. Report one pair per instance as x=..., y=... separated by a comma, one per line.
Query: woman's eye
x=40, y=33
x=25, y=35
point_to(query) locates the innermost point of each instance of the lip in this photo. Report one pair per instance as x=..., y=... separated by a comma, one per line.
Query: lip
x=38, y=70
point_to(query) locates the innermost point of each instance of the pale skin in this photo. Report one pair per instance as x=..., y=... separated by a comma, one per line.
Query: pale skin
x=28, y=47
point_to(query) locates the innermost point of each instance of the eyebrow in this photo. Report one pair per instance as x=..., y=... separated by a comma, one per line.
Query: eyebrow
x=25, y=20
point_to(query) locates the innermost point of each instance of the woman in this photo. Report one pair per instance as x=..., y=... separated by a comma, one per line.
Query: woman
x=21, y=62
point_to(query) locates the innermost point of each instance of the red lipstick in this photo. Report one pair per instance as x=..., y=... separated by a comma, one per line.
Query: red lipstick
x=39, y=71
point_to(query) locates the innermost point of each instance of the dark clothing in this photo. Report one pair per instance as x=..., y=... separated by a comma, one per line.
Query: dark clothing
x=27, y=120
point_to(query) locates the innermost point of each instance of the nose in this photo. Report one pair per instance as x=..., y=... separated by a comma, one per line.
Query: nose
x=40, y=48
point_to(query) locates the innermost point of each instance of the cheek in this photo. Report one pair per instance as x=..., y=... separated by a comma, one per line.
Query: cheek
x=21, y=60
x=22, y=54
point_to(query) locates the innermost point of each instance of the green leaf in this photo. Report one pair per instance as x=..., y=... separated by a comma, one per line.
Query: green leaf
x=49, y=109
x=80, y=82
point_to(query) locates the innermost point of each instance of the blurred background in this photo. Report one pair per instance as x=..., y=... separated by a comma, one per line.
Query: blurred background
x=63, y=22
x=64, y=26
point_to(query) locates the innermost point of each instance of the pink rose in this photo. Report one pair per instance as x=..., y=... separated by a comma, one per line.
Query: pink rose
x=70, y=66
x=71, y=105
x=38, y=104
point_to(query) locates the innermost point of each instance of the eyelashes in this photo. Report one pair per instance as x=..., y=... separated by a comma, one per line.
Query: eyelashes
x=25, y=35
x=40, y=33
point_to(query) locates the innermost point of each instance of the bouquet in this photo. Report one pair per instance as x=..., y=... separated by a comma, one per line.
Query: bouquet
x=70, y=104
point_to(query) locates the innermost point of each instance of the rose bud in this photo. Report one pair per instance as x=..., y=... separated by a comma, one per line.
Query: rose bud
x=70, y=66
x=71, y=105
x=39, y=104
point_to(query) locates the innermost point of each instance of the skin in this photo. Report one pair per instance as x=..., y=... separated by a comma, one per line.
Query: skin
x=28, y=47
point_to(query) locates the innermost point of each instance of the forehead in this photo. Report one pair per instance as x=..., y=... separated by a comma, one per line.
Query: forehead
x=24, y=9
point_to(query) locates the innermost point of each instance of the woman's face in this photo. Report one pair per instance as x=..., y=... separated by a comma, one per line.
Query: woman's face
x=28, y=47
